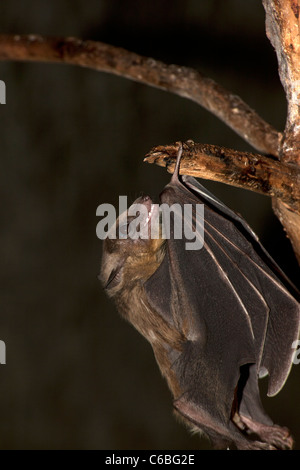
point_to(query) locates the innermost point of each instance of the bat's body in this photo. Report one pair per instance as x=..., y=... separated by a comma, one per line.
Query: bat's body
x=217, y=318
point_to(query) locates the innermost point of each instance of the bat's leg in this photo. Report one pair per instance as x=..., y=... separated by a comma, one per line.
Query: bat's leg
x=250, y=416
x=221, y=433
x=277, y=436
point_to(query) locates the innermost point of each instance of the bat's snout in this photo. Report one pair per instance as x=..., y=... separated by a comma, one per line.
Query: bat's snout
x=146, y=201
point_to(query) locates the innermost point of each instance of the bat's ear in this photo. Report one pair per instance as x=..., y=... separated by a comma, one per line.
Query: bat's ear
x=111, y=271
x=114, y=278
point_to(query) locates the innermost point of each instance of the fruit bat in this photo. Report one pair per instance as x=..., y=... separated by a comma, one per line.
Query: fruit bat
x=218, y=317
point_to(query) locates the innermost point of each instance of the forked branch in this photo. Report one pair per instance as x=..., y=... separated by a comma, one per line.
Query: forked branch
x=251, y=171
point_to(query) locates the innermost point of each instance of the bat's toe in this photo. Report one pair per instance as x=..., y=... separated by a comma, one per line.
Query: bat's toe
x=272, y=437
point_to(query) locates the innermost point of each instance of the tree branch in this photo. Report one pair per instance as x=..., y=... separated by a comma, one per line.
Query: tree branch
x=259, y=174
x=283, y=30
x=182, y=81
x=242, y=169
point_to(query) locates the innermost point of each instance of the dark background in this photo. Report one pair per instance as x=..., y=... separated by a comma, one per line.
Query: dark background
x=77, y=376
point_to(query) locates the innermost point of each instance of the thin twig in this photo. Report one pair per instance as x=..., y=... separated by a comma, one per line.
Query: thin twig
x=182, y=81
x=242, y=169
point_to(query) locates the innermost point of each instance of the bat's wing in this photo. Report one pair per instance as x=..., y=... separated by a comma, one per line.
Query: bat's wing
x=230, y=303
x=263, y=288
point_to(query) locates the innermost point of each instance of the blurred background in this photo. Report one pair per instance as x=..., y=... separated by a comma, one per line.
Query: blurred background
x=77, y=375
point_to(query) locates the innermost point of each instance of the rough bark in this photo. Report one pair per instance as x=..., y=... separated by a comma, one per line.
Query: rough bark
x=242, y=169
x=283, y=28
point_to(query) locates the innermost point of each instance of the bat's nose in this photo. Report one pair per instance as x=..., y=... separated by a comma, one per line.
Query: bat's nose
x=146, y=200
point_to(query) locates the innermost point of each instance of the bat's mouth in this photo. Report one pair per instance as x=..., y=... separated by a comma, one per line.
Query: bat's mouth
x=147, y=202
x=149, y=224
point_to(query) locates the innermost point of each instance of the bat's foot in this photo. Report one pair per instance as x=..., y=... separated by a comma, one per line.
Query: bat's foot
x=271, y=437
x=241, y=433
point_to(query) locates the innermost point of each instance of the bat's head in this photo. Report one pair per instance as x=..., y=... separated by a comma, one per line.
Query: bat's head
x=133, y=248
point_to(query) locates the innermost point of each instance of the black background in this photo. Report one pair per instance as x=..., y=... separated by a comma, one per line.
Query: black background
x=77, y=376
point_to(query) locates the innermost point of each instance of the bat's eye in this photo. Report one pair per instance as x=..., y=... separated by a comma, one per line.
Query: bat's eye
x=126, y=231
x=129, y=228
x=123, y=229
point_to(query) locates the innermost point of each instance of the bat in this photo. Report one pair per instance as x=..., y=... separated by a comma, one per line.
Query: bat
x=218, y=318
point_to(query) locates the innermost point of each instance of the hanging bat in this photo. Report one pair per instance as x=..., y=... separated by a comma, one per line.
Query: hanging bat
x=218, y=318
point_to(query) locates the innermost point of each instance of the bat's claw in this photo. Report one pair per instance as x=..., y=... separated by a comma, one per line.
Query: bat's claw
x=271, y=437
